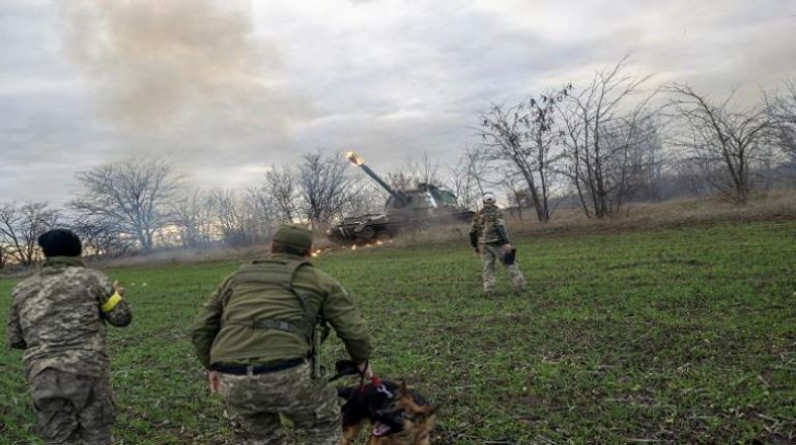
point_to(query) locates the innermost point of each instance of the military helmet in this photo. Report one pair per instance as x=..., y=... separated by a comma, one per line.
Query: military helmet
x=489, y=198
x=294, y=236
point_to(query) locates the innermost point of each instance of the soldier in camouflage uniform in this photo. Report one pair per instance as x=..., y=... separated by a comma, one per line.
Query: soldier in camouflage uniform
x=490, y=241
x=58, y=318
x=254, y=336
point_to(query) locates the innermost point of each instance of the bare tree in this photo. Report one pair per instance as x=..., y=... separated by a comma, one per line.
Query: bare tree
x=648, y=162
x=193, y=215
x=101, y=238
x=326, y=187
x=243, y=218
x=20, y=227
x=781, y=109
x=263, y=213
x=131, y=195
x=634, y=140
x=232, y=218
x=468, y=177
x=401, y=180
x=366, y=198
x=601, y=128
x=281, y=185
x=517, y=194
x=416, y=170
x=525, y=135
x=725, y=143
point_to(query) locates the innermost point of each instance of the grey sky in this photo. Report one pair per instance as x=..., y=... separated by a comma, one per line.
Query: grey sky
x=225, y=91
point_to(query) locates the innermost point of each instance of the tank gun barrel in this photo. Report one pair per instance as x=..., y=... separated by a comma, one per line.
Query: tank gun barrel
x=357, y=160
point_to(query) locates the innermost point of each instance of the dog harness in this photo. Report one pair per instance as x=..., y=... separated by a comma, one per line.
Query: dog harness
x=376, y=382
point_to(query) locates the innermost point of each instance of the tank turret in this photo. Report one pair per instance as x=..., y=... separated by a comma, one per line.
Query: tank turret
x=426, y=205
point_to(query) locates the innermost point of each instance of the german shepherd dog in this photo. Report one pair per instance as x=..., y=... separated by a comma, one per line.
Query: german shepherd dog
x=398, y=416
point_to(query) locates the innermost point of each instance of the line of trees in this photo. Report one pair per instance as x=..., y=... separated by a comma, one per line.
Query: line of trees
x=616, y=140
x=595, y=147
x=20, y=226
x=139, y=205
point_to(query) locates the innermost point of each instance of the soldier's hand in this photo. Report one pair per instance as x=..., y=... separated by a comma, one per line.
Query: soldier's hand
x=365, y=369
x=212, y=379
x=118, y=287
x=507, y=247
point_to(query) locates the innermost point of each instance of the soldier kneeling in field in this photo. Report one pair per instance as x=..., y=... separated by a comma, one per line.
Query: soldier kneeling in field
x=491, y=242
x=58, y=317
x=255, y=336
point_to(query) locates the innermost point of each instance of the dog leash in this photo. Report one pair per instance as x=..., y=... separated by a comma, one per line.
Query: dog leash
x=377, y=383
x=347, y=367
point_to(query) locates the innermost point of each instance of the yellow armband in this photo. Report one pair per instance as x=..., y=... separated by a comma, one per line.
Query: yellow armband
x=111, y=303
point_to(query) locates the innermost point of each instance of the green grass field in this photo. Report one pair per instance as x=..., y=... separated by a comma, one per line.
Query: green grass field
x=669, y=336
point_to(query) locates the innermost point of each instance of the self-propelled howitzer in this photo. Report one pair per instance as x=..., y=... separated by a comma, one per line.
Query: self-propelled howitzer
x=426, y=205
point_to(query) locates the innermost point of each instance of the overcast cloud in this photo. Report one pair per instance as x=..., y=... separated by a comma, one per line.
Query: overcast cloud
x=226, y=89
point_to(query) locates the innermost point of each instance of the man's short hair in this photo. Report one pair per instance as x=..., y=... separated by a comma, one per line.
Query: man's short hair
x=60, y=242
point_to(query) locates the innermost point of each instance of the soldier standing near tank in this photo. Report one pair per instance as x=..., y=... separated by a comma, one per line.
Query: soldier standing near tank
x=489, y=239
x=255, y=336
x=58, y=318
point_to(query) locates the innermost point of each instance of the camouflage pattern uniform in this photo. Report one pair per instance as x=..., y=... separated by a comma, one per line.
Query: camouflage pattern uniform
x=255, y=402
x=58, y=318
x=488, y=236
x=228, y=332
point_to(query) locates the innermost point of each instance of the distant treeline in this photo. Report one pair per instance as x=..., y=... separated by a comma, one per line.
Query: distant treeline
x=596, y=147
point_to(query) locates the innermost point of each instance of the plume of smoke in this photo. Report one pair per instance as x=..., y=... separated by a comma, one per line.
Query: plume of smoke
x=181, y=73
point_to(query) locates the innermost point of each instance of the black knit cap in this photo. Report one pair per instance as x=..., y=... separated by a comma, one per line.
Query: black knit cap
x=60, y=242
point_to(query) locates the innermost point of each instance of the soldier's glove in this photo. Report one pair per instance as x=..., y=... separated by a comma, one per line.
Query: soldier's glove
x=349, y=367
x=343, y=368
x=509, y=254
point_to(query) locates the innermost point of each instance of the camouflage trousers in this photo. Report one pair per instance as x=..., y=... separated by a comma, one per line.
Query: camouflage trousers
x=72, y=408
x=255, y=403
x=491, y=253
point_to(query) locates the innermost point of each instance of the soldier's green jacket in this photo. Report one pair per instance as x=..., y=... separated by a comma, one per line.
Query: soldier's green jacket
x=488, y=226
x=58, y=317
x=223, y=333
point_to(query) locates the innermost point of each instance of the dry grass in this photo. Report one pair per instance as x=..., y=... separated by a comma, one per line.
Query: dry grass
x=775, y=206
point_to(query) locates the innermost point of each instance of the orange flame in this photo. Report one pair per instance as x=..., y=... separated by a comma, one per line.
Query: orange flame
x=354, y=158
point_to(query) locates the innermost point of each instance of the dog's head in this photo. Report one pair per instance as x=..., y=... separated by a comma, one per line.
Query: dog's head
x=407, y=413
